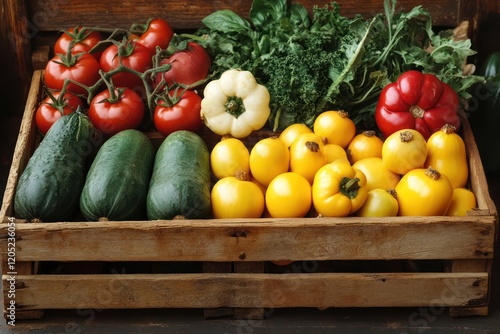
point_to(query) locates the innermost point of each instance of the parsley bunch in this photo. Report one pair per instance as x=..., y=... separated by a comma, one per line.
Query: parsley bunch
x=329, y=61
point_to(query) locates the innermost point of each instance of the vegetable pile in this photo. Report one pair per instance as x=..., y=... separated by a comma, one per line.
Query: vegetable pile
x=367, y=113
x=402, y=175
x=329, y=61
x=126, y=79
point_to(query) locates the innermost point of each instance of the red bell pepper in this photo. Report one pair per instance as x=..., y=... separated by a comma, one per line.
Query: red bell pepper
x=417, y=101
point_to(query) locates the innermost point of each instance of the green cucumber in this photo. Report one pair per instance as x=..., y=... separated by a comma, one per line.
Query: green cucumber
x=491, y=66
x=117, y=182
x=49, y=188
x=180, y=183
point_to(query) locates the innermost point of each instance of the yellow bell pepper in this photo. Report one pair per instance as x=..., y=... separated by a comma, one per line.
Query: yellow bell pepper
x=235, y=104
x=338, y=189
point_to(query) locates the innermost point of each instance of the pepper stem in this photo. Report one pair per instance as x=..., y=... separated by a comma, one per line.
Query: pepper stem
x=448, y=129
x=234, y=106
x=349, y=187
x=432, y=173
x=406, y=136
x=312, y=146
x=416, y=111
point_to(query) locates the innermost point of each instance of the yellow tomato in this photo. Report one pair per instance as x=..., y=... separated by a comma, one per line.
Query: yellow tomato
x=334, y=152
x=291, y=133
x=446, y=153
x=379, y=203
x=404, y=150
x=232, y=197
x=463, y=200
x=378, y=176
x=307, y=156
x=335, y=126
x=338, y=189
x=229, y=157
x=268, y=158
x=288, y=196
x=424, y=192
x=364, y=145
x=261, y=187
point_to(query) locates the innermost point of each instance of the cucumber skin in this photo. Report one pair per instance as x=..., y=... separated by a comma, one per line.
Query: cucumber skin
x=117, y=183
x=180, y=183
x=49, y=188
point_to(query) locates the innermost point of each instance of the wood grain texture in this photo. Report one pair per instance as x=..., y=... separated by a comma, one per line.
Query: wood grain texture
x=61, y=14
x=15, y=38
x=257, y=239
x=477, y=177
x=463, y=266
x=218, y=312
x=25, y=145
x=250, y=290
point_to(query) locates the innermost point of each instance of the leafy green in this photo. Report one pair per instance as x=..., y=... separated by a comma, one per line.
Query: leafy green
x=328, y=61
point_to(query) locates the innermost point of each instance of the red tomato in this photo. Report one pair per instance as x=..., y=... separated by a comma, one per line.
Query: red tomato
x=134, y=56
x=83, y=69
x=112, y=115
x=53, y=107
x=183, y=115
x=188, y=66
x=158, y=33
x=417, y=101
x=84, y=39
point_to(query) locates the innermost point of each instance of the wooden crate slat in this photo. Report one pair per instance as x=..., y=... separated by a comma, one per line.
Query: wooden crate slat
x=250, y=290
x=24, y=145
x=477, y=177
x=257, y=239
x=62, y=14
x=471, y=266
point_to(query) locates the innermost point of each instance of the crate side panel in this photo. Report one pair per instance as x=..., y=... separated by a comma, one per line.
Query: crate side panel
x=24, y=146
x=256, y=240
x=250, y=290
x=477, y=176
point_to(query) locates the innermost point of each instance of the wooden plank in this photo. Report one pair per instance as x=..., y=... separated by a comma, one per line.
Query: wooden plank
x=483, y=17
x=16, y=51
x=463, y=266
x=218, y=312
x=250, y=290
x=477, y=176
x=255, y=313
x=24, y=146
x=40, y=57
x=61, y=14
x=263, y=239
x=21, y=268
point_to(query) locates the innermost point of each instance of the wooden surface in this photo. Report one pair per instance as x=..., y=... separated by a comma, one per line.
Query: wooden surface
x=188, y=14
x=15, y=58
x=250, y=290
x=219, y=240
x=416, y=320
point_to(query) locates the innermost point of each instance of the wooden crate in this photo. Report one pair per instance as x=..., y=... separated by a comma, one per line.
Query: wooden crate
x=338, y=262
x=465, y=243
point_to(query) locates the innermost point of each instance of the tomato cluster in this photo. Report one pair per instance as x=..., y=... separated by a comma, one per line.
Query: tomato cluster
x=119, y=77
